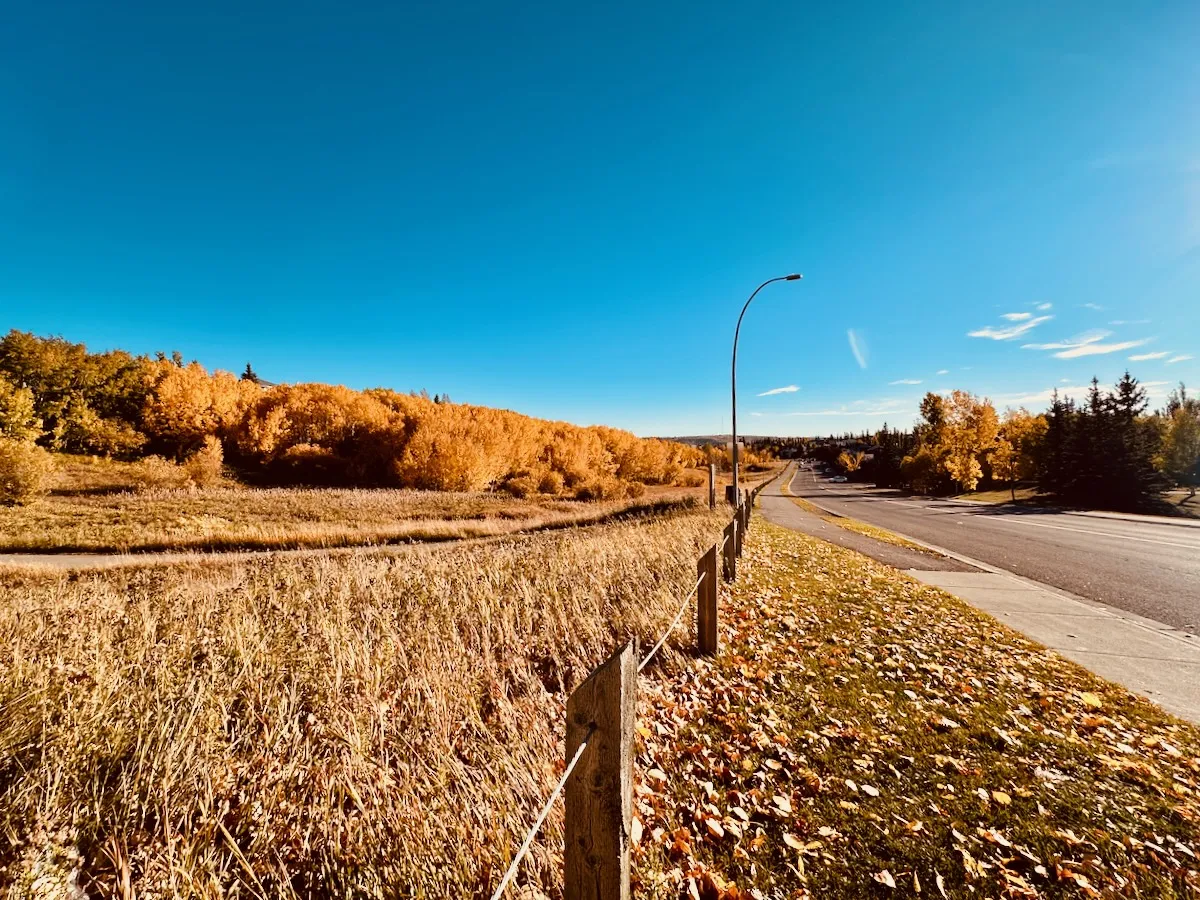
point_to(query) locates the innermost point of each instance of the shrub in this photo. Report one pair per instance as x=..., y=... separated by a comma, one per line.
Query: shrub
x=18, y=416
x=204, y=466
x=521, y=486
x=921, y=471
x=551, y=483
x=693, y=479
x=635, y=489
x=600, y=489
x=154, y=472
x=25, y=470
x=671, y=473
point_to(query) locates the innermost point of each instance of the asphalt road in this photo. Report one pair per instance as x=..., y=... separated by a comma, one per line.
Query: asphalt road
x=1139, y=564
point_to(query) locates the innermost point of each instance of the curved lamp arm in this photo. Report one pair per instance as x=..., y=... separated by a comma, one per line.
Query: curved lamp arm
x=733, y=375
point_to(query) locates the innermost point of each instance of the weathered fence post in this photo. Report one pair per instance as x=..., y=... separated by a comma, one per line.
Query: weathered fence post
x=599, y=794
x=706, y=601
x=712, y=485
x=740, y=531
x=729, y=558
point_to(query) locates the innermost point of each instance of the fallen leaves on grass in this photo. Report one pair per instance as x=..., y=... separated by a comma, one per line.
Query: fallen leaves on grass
x=860, y=734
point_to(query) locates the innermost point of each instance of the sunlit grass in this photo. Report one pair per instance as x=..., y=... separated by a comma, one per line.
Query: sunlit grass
x=95, y=509
x=282, y=518
x=1004, y=495
x=357, y=724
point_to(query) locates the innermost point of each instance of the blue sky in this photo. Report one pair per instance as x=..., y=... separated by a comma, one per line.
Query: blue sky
x=559, y=208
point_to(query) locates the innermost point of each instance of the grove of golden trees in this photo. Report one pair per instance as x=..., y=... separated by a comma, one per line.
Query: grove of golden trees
x=1108, y=451
x=58, y=396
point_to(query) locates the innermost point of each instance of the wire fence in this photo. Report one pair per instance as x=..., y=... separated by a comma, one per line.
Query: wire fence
x=675, y=621
x=599, y=828
x=537, y=824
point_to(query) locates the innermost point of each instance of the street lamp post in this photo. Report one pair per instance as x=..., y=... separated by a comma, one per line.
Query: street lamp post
x=733, y=379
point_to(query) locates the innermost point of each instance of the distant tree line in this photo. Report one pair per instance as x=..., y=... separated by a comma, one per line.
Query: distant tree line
x=58, y=396
x=1108, y=451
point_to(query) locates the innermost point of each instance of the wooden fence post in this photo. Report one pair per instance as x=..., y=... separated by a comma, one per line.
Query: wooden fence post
x=740, y=532
x=599, y=794
x=712, y=485
x=729, y=558
x=706, y=602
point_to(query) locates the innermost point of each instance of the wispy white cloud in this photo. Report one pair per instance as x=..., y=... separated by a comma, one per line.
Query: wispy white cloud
x=1017, y=317
x=1129, y=322
x=1095, y=306
x=1182, y=357
x=1098, y=349
x=858, y=346
x=1088, y=337
x=906, y=381
x=1009, y=332
x=1090, y=343
x=789, y=389
x=1141, y=357
x=1042, y=307
x=943, y=371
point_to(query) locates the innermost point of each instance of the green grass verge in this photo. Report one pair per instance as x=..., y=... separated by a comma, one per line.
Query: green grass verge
x=871, y=531
x=862, y=735
x=1004, y=495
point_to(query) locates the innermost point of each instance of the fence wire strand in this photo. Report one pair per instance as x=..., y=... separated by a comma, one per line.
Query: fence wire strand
x=537, y=825
x=666, y=634
x=562, y=782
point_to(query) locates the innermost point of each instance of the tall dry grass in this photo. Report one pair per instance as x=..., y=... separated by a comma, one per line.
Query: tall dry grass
x=233, y=518
x=330, y=726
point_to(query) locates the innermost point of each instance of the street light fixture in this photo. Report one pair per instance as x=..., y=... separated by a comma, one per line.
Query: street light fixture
x=733, y=379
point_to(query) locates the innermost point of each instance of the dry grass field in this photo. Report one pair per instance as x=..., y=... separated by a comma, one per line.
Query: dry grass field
x=95, y=508
x=347, y=725
x=229, y=518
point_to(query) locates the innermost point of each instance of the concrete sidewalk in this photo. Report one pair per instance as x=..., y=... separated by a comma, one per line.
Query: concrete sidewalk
x=1146, y=656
